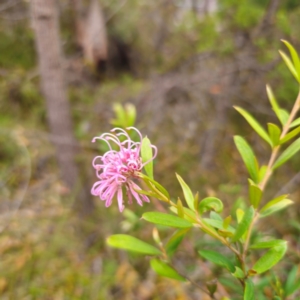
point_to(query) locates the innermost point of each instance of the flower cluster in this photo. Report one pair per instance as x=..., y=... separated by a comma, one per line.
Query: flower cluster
x=118, y=170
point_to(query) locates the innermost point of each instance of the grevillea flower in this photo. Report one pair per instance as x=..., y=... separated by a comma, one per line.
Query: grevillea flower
x=118, y=170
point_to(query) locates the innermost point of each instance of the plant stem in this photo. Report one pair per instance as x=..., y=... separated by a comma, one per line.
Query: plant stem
x=269, y=172
x=204, y=228
x=276, y=149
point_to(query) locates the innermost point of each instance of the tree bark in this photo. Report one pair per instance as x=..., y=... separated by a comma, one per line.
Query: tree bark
x=46, y=28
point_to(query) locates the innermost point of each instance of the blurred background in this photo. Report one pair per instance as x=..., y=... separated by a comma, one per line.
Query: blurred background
x=67, y=68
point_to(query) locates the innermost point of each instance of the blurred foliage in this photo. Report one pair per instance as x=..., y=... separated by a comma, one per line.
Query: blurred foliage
x=47, y=253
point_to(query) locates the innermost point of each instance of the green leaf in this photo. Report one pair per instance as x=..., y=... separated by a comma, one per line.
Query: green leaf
x=274, y=201
x=287, y=154
x=274, y=132
x=274, y=206
x=163, y=269
x=210, y=203
x=290, y=65
x=225, y=233
x=227, y=222
x=295, y=123
x=150, y=183
x=255, y=194
x=254, y=124
x=147, y=155
x=292, y=284
x=188, y=195
x=239, y=215
x=247, y=156
x=149, y=193
x=175, y=241
x=166, y=220
x=294, y=56
x=270, y=258
x=267, y=244
x=215, y=216
x=130, y=243
x=290, y=135
x=244, y=224
x=238, y=273
x=131, y=114
x=120, y=115
x=262, y=172
x=217, y=224
x=274, y=104
x=218, y=259
x=189, y=215
x=272, y=99
x=249, y=293
x=196, y=201
x=284, y=115
x=294, y=288
x=180, y=210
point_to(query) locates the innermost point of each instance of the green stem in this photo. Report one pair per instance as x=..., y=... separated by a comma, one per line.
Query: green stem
x=203, y=227
x=269, y=170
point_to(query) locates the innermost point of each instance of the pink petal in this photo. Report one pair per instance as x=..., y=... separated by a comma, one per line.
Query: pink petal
x=120, y=199
x=132, y=185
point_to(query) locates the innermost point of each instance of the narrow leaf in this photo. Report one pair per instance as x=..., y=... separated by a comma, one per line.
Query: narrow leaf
x=227, y=222
x=130, y=113
x=244, y=224
x=270, y=258
x=267, y=244
x=166, y=220
x=254, y=124
x=189, y=215
x=239, y=215
x=188, y=195
x=175, y=241
x=120, y=115
x=247, y=156
x=210, y=203
x=218, y=259
x=127, y=242
x=238, y=273
x=217, y=224
x=255, y=194
x=295, y=123
x=147, y=155
x=274, y=201
x=149, y=193
x=215, y=216
x=275, y=207
x=249, y=293
x=274, y=132
x=196, y=201
x=163, y=269
x=284, y=116
x=156, y=237
x=262, y=172
x=150, y=182
x=290, y=135
x=292, y=284
x=225, y=233
x=274, y=104
x=287, y=154
x=180, y=210
x=294, y=56
x=290, y=65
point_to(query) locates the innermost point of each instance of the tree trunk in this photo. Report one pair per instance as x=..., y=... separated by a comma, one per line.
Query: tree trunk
x=91, y=32
x=46, y=27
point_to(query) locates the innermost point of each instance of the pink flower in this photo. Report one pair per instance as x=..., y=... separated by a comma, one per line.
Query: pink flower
x=119, y=169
